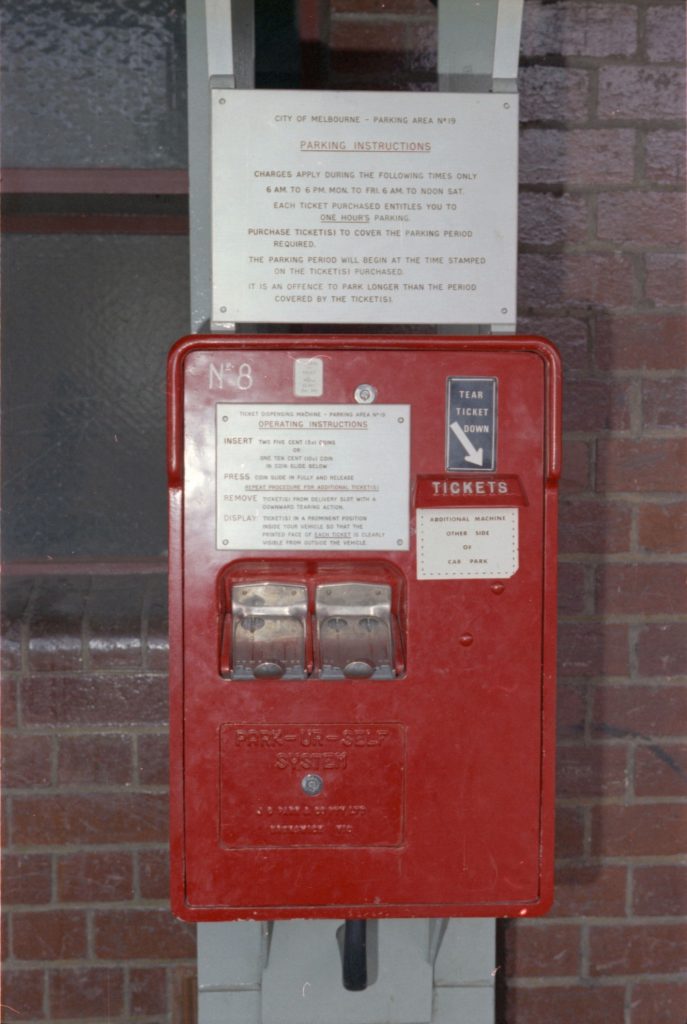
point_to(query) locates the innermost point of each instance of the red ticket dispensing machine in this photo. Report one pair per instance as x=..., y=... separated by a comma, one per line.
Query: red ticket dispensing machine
x=362, y=625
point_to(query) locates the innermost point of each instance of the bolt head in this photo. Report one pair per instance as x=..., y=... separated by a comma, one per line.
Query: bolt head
x=312, y=784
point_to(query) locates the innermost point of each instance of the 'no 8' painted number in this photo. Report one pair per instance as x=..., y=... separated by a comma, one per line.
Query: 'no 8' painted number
x=245, y=377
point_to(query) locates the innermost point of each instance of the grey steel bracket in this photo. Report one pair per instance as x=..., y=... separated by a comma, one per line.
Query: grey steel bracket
x=479, y=45
x=478, y=49
x=220, y=52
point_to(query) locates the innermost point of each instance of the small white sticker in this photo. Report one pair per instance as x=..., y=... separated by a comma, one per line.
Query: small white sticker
x=308, y=378
x=467, y=543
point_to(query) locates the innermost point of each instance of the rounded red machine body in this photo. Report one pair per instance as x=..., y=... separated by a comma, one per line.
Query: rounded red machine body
x=362, y=623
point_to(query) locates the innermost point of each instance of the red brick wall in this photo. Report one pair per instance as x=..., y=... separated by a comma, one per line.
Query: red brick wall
x=602, y=231
x=88, y=931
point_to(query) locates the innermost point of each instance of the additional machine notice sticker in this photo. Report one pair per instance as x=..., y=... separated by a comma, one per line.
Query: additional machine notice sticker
x=467, y=543
x=313, y=477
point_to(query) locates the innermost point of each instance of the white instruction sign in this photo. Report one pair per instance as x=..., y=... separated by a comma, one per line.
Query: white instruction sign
x=467, y=543
x=374, y=207
x=313, y=477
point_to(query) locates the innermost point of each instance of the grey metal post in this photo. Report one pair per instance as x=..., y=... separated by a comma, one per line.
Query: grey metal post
x=289, y=973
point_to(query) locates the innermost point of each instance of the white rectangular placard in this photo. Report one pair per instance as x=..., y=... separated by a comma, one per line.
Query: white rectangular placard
x=349, y=207
x=467, y=543
x=313, y=477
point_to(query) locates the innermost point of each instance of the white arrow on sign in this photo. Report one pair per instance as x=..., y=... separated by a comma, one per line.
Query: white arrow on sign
x=474, y=455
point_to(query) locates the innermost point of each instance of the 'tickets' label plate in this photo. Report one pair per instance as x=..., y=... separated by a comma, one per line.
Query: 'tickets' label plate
x=263, y=803
x=313, y=477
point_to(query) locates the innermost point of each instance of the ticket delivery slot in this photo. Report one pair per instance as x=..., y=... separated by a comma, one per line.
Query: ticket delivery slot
x=305, y=628
x=354, y=634
x=362, y=624
x=266, y=632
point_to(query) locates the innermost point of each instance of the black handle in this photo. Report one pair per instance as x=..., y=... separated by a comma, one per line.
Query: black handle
x=355, y=956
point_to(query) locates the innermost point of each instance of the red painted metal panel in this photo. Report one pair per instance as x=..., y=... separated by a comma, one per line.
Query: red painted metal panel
x=438, y=783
